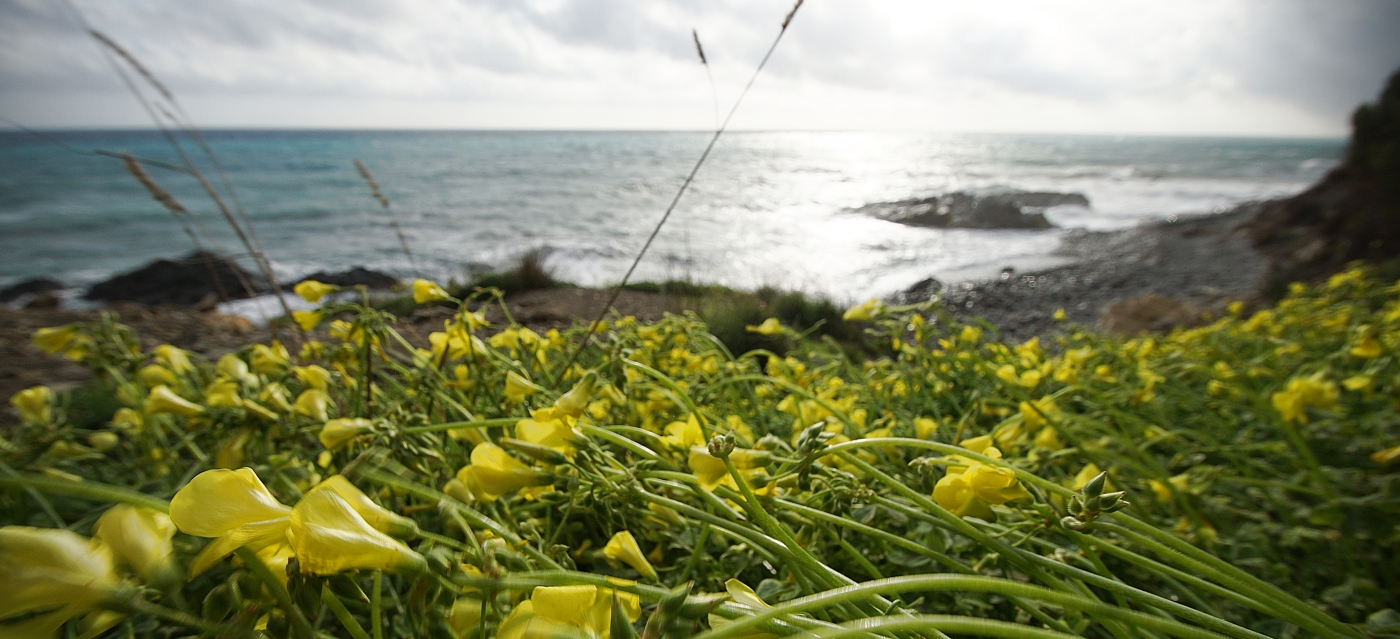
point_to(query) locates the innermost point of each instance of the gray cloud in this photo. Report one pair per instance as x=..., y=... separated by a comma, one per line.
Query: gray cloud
x=1319, y=58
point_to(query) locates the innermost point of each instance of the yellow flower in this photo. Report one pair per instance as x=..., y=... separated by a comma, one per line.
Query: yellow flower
x=518, y=388
x=375, y=515
x=746, y=597
x=1034, y=415
x=307, y=320
x=1059, y=315
x=234, y=507
x=623, y=547
x=425, y=291
x=173, y=358
x=275, y=394
x=493, y=472
x=925, y=428
x=270, y=359
x=313, y=403
x=567, y=611
x=1363, y=383
x=312, y=291
x=573, y=402
x=770, y=326
x=155, y=375
x=1303, y=392
x=233, y=367
x=329, y=535
x=969, y=490
x=222, y=392
x=712, y=473
x=53, y=575
x=33, y=404
x=865, y=312
x=338, y=433
x=1368, y=348
x=163, y=400
x=127, y=419
x=465, y=616
x=684, y=435
x=556, y=434
x=313, y=375
x=52, y=340
x=1049, y=439
x=141, y=538
x=1386, y=457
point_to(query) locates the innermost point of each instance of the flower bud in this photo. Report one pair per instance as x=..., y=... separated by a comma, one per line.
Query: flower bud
x=721, y=445
x=163, y=400
x=338, y=433
x=33, y=404
x=1095, y=486
x=312, y=291
x=141, y=538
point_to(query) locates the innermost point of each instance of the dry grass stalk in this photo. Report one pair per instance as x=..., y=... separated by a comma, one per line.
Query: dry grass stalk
x=617, y=290
x=393, y=219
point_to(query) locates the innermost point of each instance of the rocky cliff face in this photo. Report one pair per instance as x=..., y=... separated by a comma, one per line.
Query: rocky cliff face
x=1352, y=214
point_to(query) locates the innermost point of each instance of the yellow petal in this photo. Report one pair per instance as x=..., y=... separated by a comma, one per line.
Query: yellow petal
x=338, y=433
x=46, y=568
x=33, y=404
x=623, y=547
x=307, y=320
x=163, y=400
x=218, y=501
x=425, y=291
x=375, y=515
x=52, y=340
x=312, y=291
x=313, y=403
x=141, y=538
x=256, y=536
x=329, y=536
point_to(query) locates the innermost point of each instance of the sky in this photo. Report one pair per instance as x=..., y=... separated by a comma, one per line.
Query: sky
x=1184, y=67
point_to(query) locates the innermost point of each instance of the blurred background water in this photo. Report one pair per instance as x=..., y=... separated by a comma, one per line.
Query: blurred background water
x=768, y=208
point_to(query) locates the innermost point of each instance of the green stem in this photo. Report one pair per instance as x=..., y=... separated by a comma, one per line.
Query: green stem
x=301, y=628
x=952, y=624
x=338, y=608
x=89, y=490
x=1281, y=604
x=594, y=431
x=467, y=512
x=480, y=423
x=139, y=605
x=376, y=601
x=955, y=583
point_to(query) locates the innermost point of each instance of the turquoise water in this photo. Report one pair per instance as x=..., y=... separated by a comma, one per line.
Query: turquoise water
x=767, y=209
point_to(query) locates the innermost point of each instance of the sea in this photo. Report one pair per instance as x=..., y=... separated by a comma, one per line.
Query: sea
x=765, y=209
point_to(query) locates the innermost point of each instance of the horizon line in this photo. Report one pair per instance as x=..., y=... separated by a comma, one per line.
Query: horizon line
x=312, y=129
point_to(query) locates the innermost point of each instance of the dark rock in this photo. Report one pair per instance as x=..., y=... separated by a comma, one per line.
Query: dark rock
x=31, y=286
x=42, y=300
x=180, y=282
x=1010, y=210
x=357, y=276
x=1352, y=214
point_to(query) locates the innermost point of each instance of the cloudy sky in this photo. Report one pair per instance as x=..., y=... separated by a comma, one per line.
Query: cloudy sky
x=1232, y=67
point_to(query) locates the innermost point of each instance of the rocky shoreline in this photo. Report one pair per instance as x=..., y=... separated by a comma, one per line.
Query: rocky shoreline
x=1151, y=277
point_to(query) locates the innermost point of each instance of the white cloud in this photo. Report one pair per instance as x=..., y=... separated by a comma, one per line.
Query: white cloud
x=1198, y=66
